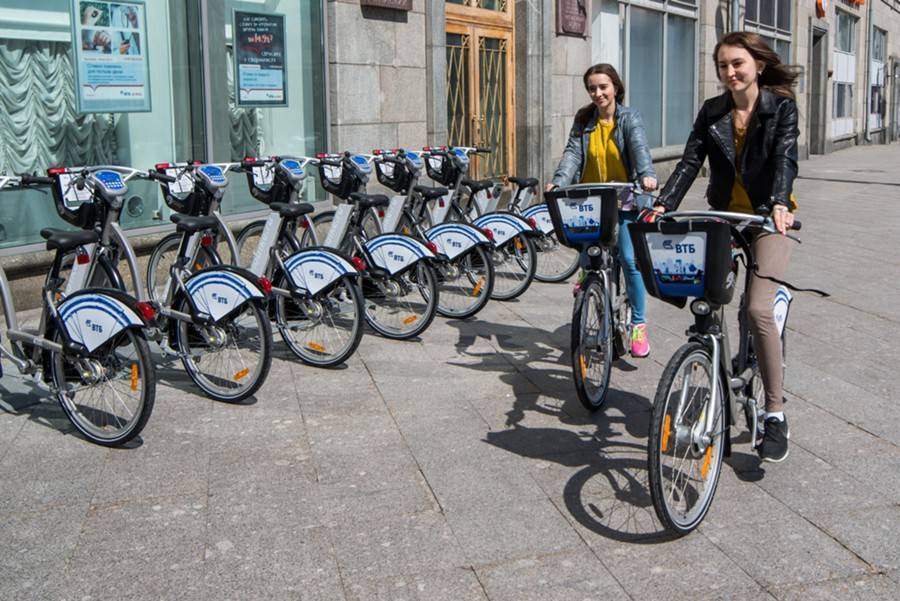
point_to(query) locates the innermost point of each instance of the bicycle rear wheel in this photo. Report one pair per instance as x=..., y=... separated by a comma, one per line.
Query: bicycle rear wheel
x=555, y=262
x=164, y=255
x=404, y=305
x=684, y=465
x=591, y=343
x=514, y=266
x=109, y=395
x=465, y=284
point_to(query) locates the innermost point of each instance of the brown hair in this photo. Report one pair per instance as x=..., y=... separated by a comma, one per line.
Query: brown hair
x=777, y=77
x=584, y=114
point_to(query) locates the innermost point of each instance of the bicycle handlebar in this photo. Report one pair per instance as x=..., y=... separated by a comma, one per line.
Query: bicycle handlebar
x=765, y=223
x=35, y=180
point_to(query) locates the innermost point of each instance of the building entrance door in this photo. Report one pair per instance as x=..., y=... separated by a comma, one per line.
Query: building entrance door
x=895, y=101
x=817, y=76
x=480, y=94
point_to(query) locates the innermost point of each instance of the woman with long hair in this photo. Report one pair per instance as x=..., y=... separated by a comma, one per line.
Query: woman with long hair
x=749, y=133
x=607, y=143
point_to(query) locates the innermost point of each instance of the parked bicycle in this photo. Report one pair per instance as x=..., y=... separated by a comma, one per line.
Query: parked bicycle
x=703, y=389
x=90, y=345
x=318, y=306
x=585, y=218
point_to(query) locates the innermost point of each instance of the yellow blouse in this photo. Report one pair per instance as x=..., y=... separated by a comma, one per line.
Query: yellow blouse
x=740, y=200
x=603, y=164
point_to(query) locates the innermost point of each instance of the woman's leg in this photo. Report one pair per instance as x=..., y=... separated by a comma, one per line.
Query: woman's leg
x=634, y=284
x=772, y=252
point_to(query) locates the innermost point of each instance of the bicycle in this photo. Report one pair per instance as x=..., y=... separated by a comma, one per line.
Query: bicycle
x=514, y=256
x=399, y=282
x=318, y=306
x=465, y=271
x=703, y=388
x=90, y=346
x=586, y=217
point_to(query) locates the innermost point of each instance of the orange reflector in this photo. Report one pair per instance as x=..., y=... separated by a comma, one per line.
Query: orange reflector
x=198, y=266
x=583, y=366
x=520, y=244
x=410, y=319
x=241, y=374
x=478, y=286
x=316, y=347
x=667, y=430
x=707, y=460
x=134, y=376
x=404, y=230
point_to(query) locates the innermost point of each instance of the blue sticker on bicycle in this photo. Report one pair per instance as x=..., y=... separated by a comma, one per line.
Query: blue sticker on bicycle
x=678, y=261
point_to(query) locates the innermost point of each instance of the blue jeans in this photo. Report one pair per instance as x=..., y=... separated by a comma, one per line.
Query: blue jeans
x=634, y=284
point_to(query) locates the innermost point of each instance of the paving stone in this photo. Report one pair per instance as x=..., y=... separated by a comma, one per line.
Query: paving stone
x=865, y=588
x=872, y=533
x=458, y=584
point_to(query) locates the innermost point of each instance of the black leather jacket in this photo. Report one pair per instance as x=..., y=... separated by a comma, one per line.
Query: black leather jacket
x=768, y=163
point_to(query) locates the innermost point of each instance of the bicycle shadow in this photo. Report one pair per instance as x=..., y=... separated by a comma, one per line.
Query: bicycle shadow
x=609, y=495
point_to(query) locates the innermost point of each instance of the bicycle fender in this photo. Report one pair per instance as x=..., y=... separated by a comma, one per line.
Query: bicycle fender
x=541, y=215
x=218, y=291
x=91, y=317
x=454, y=239
x=503, y=225
x=396, y=252
x=314, y=269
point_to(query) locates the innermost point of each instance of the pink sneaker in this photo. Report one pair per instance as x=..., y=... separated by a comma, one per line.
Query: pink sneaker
x=640, y=346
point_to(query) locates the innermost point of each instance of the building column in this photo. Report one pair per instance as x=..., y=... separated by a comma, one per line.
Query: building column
x=534, y=80
x=436, y=68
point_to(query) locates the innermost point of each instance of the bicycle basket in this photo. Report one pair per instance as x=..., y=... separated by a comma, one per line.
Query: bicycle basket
x=181, y=195
x=441, y=169
x=393, y=174
x=266, y=187
x=584, y=215
x=679, y=260
x=73, y=205
x=336, y=179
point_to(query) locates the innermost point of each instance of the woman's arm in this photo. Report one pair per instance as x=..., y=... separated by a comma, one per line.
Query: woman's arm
x=686, y=171
x=639, y=151
x=784, y=154
x=571, y=159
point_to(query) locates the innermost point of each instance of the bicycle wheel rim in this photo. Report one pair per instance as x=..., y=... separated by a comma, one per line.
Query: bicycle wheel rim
x=407, y=311
x=686, y=473
x=592, y=345
x=466, y=287
x=236, y=368
x=332, y=334
x=115, y=408
x=514, y=265
x=555, y=262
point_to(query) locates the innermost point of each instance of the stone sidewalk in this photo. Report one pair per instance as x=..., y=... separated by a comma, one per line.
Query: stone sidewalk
x=462, y=467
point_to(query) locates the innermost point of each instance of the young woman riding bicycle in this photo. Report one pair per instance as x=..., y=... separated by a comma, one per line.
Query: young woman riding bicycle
x=749, y=134
x=607, y=143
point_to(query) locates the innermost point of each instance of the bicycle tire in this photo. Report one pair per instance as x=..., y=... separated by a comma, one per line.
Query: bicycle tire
x=591, y=343
x=546, y=259
x=163, y=257
x=665, y=434
x=410, y=321
x=519, y=264
x=474, y=280
x=136, y=371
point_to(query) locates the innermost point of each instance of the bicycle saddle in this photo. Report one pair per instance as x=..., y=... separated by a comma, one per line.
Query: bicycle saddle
x=477, y=185
x=185, y=223
x=291, y=209
x=429, y=193
x=524, y=182
x=366, y=201
x=63, y=240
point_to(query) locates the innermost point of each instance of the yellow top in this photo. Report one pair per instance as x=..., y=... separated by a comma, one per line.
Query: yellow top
x=740, y=201
x=603, y=164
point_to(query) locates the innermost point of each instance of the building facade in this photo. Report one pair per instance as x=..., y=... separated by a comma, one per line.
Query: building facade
x=361, y=74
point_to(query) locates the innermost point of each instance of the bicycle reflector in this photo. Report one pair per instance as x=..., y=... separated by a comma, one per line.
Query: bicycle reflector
x=489, y=234
x=432, y=247
x=359, y=263
x=146, y=309
x=206, y=240
x=56, y=170
x=265, y=283
x=82, y=257
x=532, y=222
x=163, y=166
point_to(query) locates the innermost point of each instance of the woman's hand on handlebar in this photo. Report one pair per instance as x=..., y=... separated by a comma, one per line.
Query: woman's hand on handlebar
x=550, y=187
x=649, y=184
x=784, y=219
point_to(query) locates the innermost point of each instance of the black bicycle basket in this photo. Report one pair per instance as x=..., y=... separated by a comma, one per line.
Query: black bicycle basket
x=688, y=259
x=277, y=190
x=441, y=169
x=183, y=195
x=337, y=179
x=394, y=174
x=584, y=216
x=83, y=213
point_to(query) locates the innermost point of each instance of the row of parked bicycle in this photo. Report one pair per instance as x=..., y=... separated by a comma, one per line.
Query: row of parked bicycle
x=390, y=262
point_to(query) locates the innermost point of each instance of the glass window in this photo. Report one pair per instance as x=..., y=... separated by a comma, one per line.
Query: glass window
x=784, y=15
x=751, y=12
x=843, y=100
x=878, y=44
x=767, y=12
x=679, y=79
x=846, y=23
x=645, y=70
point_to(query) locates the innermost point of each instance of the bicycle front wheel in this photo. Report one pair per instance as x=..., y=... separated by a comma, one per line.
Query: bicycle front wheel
x=230, y=359
x=514, y=266
x=591, y=343
x=465, y=284
x=324, y=330
x=109, y=395
x=404, y=305
x=685, y=457
x=555, y=262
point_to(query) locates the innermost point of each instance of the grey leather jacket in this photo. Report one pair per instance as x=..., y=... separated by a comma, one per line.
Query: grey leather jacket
x=628, y=136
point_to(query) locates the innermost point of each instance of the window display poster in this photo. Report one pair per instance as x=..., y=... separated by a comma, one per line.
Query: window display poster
x=112, y=69
x=259, y=59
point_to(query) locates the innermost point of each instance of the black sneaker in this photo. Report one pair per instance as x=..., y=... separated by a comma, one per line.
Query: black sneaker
x=774, y=446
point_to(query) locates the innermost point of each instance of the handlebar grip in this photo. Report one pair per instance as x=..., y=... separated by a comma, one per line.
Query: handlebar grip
x=162, y=177
x=250, y=164
x=36, y=180
x=796, y=225
x=484, y=149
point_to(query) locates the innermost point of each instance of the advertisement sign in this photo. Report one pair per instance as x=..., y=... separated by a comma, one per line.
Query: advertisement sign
x=112, y=69
x=260, y=72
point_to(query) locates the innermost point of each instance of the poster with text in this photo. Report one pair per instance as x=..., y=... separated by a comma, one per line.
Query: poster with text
x=112, y=69
x=259, y=60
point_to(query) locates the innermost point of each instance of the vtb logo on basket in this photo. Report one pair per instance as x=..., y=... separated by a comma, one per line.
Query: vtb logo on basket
x=681, y=249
